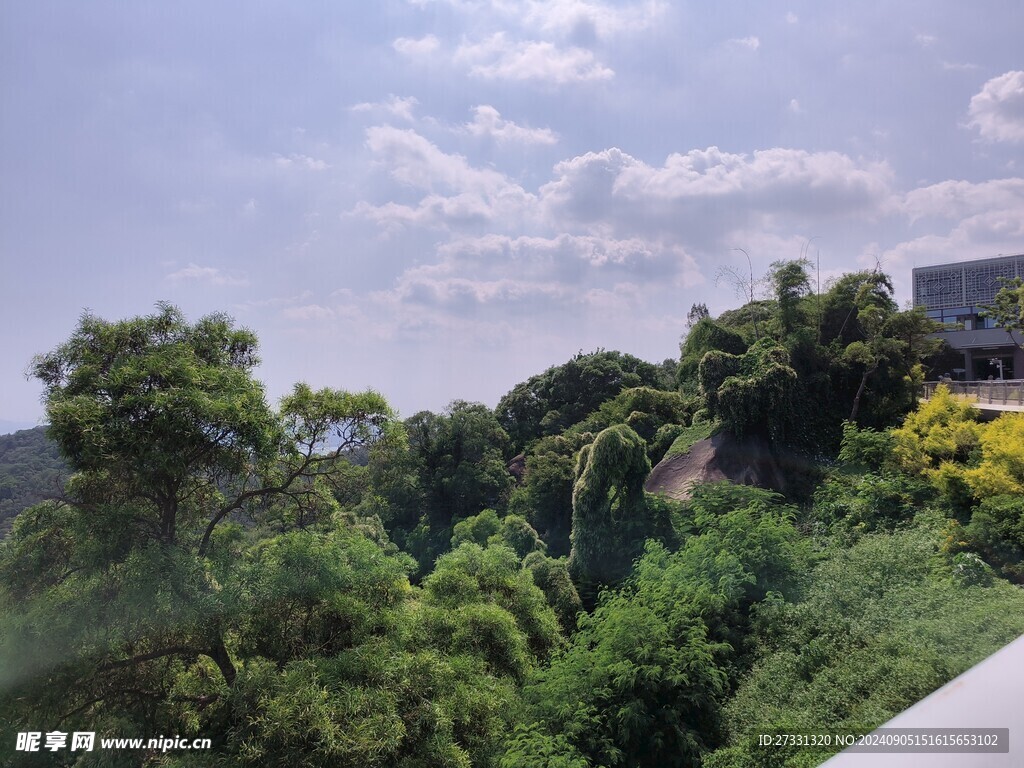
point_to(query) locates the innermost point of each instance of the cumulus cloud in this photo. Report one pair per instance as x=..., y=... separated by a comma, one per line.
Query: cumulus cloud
x=605, y=20
x=565, y=17
x=487, y=122
x=602, y=221
x=422, y=46
x=983, y=219
x=208, y=275
x=707, y=193
x=536, y=40
x=398, y=106
x=997, y=111
x=499, y=58
x=456, y=190
x=958, y=199
x=576, y=259
x=417, y=162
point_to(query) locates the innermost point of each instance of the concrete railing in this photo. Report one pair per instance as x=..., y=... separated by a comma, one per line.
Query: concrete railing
x=1006, y=392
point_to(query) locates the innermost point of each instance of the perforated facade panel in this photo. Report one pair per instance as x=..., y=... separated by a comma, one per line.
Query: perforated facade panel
x=965, y=284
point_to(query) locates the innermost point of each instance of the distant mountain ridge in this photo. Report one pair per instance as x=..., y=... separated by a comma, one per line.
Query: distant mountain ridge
x=9, y=426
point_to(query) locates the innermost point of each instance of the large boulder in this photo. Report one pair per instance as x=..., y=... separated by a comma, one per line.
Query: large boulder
x=741, y=460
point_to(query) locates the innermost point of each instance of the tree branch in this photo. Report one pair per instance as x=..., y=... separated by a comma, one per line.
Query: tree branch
x=142, y=657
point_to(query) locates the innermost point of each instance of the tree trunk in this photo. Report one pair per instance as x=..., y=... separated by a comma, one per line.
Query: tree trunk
x=221, y=657
x=860, y=391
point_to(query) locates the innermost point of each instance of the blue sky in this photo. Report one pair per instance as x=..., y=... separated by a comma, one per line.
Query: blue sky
x=440, y=198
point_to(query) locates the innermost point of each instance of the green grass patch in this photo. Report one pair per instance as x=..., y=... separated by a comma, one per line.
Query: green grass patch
x=691, y=435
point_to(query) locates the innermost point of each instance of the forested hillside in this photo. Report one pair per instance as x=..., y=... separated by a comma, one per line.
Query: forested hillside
x=30, y=470
x=495, y=587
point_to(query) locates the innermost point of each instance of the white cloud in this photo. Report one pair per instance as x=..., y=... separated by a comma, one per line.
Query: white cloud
x=752, y=43
x=925, y=40
x=417, y=162
x=983, y=219
x=208, y=275
x=792, y=18
x=565, y=17
x=497, y=58
x=794, y=107
x=423, y=46
x=398, y=106
x=711, y=192
x=304, y=162
x=487, y=122
x=958, y=199
x=307, y=312
x=456, y=191
x=606, y=20
x=567, y=258
x=997, y=111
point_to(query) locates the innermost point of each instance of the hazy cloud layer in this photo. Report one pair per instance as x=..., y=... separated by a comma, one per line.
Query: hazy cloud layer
x=439, y=198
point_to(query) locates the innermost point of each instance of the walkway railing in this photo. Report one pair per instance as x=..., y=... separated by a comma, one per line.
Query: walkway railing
x=1008, y=392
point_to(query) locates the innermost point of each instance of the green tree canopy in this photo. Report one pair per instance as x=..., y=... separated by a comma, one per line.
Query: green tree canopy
x=790, y=284
x=168, y=434
x=1007, y=309
x=564, y=394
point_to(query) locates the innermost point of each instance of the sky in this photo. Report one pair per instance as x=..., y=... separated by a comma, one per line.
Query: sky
x=437, y=199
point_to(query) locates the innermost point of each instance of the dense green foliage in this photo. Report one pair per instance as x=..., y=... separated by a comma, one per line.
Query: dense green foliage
x=30, y=470
x=644, y=678
x=705, y=336
x=320, y=584
x=564, y=394
x=750, y=393
x=1007, y=309
x=882, y=626
x=610, y=516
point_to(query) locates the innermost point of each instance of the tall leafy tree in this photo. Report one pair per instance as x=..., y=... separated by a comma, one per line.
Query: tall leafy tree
x=790, y=283
x=697, y=313
x=458, y=458
x=1007, y=309
x=169, y=436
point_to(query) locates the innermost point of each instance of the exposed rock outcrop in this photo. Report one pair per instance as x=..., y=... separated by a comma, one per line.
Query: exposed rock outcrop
x=746, y=461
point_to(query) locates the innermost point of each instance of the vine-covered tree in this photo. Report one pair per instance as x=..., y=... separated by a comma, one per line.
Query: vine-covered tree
x=609, y=511
x=750, y=393
x=706, y=335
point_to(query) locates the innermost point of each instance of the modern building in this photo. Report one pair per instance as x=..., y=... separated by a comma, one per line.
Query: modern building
x=957, y=293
